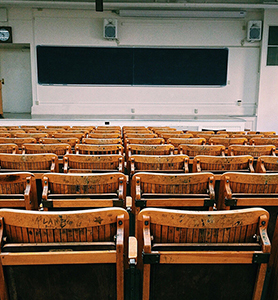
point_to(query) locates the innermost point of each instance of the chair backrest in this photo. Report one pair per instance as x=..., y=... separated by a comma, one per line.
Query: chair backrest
x=255, y=150
x=18, y=190
x=193, y=150
x=150, y=149
x=99, y=149
x=80, y=163
x=35, y=135
x=140, y=135
x=158, y=163
x=220, y=164
x=103, y=141
x=71, y=141
x=264, y=141
x=18, y=141
x=230, y=133
x=186, y=141
x=66, y=134
x=228, y=141
x=9, y=148
x=146, y=141
x=5, y=134
x=181, y=251
x=267, y=164
x=64, y=127
x=80, y=249
x=58, y=149
x=262, y=132
x=104, y=135
x=208, y=136
x=83, y=190
x=29, y=162
x=173, y=134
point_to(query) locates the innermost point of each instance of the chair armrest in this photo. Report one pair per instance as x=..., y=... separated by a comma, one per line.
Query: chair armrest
x=266, y=246
x=53, y=165
x=45, y=188
x=66, y=164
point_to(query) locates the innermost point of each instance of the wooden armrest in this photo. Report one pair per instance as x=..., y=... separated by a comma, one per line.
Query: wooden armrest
x=132, y=249
x=128, y=202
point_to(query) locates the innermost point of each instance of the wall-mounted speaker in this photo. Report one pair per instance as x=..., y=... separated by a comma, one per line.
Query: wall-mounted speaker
x=254, y=31
x=110, y=29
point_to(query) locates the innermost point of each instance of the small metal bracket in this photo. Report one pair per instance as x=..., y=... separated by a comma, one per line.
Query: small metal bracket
x=151, y=258
x=140, y=203
x=47, y=203
x=230, y=202
x=261, y=258
x=209, y=202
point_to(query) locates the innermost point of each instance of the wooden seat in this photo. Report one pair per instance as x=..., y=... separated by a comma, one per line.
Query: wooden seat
x=99, y=149
x=230, y=133
x=228, y=141
x=149, y=149
x=18, y=190
x=80, y=163
x=264, y=141
x=104, y=135
x=176, y=142
x=203, y=255
x=58, y=149
x=194, y=150
x=220, y=164
x=71, y=141
x=255, y=150
x=66, y=134
x=18, y=141
x=267, y=164
x=103, y=141
x=64, y=255
x=158, y=163
x=194, y=191
x=83, y=190
x=35, y=135
x=9, y=148
x=34, y=163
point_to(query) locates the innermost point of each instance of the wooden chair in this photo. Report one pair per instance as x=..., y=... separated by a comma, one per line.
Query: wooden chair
x=248, y=136
x=58, y=149
x=14, y=132
x=104, y=135
x=228, y=141
x=99, y=149
x=149, y=150
x=267, y=164
x=103, y=141
x=36, y=135
x=194, y=150
x=90, y=128
x=9, y=148
x=264, y=141
x=140, y=135
x=255, y=150
x=63, y=255
x=71, y=141
x=203, y=255
x=197, y=132
x=34, y=163
x=167, y=136
x=176, y=142
x=64, y=127
x=66, y=134
x=230, y=133
x=38, y=127
x=261, y=132
x=115, y=128
x=64, y=191
x=18, y=141
x=208, y=136
x=192, y=191
x=18, y=190
x=220, y=164
x=158, y=163
x=146, y=141
x=5, y=134
x=79, y=163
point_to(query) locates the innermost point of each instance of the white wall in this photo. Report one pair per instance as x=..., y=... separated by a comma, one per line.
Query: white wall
x=84, y=28
x=268, y=94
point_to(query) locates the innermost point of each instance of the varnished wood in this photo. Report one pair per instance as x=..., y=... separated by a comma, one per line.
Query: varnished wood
x=267, y=164
x=71, y=141
x=35, y=135
x=98, y=149
x=205, y=229
x=158, y=163
x=18, y=141
x=253, y=150
x=193, y=150
x=58, y=149
x=80, y=190
x=228, y=141
x=9, y=148
x=140, y=149
x=264, y=141
x=103, y=141
x=76, y=163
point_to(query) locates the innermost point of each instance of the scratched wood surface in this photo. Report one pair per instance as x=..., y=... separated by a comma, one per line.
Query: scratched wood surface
x=264, y=141
x=9, y=148
x=102, y=141
x=170, y=163
x=194, y=150
x=29, y=162
x=230, y=133
x=228, y=141
x=158, y=228
x=186, y=141
x=35, y=135
x=98, y=149
x=18, y=190
x=253, y=150
x=90, y=163
x=58, y=149
x=72, y=141
x=147, y=141
x=208, y=163
x=18, y=141
x=103, y=135
x=266, y=164
x=66, y=134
